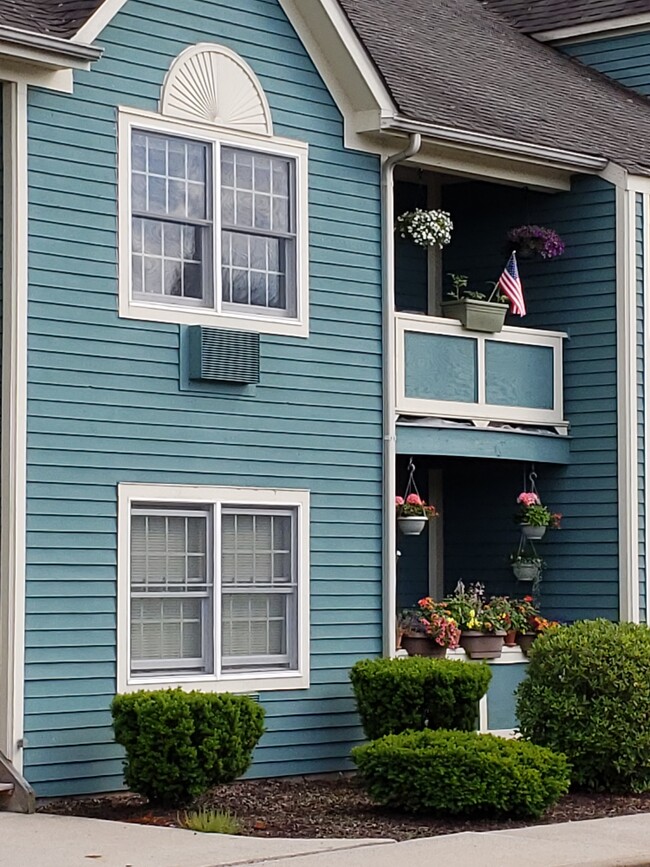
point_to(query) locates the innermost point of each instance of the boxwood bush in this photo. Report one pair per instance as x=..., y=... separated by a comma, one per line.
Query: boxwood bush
x=394, y=695
x=587, y=694
x=461, y=774
x=179, y=744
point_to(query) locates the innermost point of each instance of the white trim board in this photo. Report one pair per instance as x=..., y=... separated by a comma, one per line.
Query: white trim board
x=13, y=456
x=595, y=29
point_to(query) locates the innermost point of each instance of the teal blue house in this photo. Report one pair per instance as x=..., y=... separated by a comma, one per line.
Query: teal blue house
x=218, y=360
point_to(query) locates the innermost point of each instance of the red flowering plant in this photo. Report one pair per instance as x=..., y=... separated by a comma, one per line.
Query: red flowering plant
x=414, y=507
x=532, y=511
x=433, y=620
x=529, y=618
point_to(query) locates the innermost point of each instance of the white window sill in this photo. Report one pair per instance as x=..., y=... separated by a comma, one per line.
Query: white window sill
x=259, y=682
x=201, y=316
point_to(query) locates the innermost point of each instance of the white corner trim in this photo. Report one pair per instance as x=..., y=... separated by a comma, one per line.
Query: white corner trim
x=627, y=435
x=600, y=29
x=13, y=453
x=646, y=380
x=130, y=308
x=97, y=22
x=129, y=493
x=212, y=84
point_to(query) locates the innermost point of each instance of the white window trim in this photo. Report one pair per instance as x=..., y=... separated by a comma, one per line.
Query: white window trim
x=211, y=496
x=130, y=308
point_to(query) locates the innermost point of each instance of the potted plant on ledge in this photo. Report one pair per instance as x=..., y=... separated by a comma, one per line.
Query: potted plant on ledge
x=534, y=518
x=533, y=624
x=477, y=311
x=428, y=630
x=482, y=629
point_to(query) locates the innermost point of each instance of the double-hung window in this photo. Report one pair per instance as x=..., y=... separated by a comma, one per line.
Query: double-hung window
x=212, y=227
x=213, y=588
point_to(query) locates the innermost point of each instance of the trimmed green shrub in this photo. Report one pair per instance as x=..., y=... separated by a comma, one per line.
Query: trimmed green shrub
x=394, y=695
x=587, y=694
x=179, y=744
x=461, y=774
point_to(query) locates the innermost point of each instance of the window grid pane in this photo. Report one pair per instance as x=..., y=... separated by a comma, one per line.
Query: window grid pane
x=259, y=590
x=256, y=191
x=170, y=217
x=171, y=591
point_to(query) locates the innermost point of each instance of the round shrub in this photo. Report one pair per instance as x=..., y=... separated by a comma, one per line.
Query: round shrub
x=394, y=695
x=461, y=774
x=179, y=744
x=587, y=694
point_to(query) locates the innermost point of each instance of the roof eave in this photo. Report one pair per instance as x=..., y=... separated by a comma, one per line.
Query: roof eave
x=568, y=160
x=50, y=52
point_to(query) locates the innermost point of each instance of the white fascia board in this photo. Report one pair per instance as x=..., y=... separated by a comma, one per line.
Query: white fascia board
x=557, y=157
x=97, y=22
x=45, y=51
x=595, y=30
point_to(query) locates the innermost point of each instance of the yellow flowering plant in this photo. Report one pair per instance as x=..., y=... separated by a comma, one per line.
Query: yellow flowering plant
x=468, y=607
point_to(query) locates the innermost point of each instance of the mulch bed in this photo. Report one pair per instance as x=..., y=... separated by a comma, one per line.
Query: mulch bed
x=330, y=808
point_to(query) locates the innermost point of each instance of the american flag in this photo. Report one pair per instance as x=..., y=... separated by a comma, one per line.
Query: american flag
x=510, y=284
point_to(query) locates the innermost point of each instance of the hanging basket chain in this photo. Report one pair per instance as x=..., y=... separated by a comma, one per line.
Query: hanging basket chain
x=412, y=488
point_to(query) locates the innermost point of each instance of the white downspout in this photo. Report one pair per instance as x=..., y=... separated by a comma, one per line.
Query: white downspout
x=389, y=539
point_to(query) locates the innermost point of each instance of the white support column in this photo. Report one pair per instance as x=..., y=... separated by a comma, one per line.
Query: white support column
x=628, y=483
x=13, y=472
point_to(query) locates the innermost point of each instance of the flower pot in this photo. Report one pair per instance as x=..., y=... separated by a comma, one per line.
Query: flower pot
x=526, y=571
x=525, y=641
x=412, y=526
x=421, y=645
x=511, y=638
x=482, y=645
x=476, y=315
x=533, y=533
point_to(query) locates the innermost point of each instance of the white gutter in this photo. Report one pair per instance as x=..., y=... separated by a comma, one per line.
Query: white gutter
x=389, y=536
x=510, y=147
x=44, y=50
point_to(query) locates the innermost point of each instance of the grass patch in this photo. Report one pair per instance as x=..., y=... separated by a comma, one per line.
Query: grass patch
x=210, y=821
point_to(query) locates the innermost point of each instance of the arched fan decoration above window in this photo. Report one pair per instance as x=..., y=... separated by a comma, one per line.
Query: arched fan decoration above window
x=211, y=84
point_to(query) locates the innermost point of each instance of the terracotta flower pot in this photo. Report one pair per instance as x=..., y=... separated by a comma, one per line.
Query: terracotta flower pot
x=525, y=641
x=482, y=645
x=511, y=638
x=420, y=645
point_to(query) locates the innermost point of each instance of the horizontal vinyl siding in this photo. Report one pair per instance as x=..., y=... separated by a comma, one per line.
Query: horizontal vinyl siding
x=625, y=59
x=106, y=406
x=575, y=293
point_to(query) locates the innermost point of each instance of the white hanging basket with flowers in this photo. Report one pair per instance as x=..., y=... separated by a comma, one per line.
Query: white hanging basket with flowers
x=412, y=512
x=425, y=228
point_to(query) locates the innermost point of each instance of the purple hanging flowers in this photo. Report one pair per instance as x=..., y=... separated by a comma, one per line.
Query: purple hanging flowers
x=532, y=241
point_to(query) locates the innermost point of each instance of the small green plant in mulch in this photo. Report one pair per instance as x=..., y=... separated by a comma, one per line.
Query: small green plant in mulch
x=210, y=821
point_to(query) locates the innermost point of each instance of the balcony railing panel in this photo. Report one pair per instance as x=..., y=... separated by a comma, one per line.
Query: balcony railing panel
x=444, y=370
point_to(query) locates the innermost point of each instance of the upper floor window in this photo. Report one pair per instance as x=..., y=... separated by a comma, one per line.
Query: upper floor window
x=213, y=221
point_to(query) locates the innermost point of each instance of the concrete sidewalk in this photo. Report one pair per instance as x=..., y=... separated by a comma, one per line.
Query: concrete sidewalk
x=63, y=841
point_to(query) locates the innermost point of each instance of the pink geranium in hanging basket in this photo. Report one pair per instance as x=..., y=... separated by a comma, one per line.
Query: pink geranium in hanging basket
x=413, y=514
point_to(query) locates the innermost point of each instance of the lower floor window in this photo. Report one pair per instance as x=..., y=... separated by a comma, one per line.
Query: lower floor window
x=214, y=589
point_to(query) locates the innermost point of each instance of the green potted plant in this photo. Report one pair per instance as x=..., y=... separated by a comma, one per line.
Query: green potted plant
x=477, y=311
x=482, y=630
x=505, y=614
x=428, y=630
x=532, y=625
x=413, y=513
x=526, y=566
x=533, y=517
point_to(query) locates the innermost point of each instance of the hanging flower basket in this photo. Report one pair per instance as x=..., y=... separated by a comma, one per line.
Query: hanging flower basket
x=412, y=526
x=530, y=531
x=425, y=228
x=530, y=570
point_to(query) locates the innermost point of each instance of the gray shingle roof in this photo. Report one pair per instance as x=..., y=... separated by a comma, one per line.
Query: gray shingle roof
x=53, y=17
x=536, y=16
x=455, y=63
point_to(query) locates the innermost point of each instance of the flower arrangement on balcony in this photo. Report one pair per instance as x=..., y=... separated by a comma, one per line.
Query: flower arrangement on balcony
x=530, y=242
x=533, y=517
x=429, y=629
x=413, y=513
x=425, y=228
x=481, y=625
x=531, y=623
x=478, y=311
